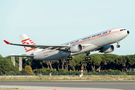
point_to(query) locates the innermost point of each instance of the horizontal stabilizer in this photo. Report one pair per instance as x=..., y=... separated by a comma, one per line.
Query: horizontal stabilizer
x=21, y=55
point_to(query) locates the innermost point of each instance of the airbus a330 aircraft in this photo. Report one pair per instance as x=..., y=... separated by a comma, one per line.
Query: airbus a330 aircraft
x=97, y=42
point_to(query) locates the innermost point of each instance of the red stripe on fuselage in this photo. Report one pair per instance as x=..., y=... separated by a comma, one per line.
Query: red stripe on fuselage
x=89, y=39
x=86, y=40
x=45, y=52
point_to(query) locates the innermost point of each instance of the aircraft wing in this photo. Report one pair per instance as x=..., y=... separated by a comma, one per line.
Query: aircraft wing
x=21, y=55
x=57, y=47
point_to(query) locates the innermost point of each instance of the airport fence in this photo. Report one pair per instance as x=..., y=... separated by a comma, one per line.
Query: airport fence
x=72, y=73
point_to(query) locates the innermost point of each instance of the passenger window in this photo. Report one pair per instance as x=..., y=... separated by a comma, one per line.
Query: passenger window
x=121, y=30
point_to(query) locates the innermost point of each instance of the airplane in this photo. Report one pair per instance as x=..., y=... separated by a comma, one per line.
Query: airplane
x=97, y=42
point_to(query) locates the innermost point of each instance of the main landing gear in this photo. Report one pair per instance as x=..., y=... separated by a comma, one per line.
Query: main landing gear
x=118, y=46
x=87, y=56
x=69, y=58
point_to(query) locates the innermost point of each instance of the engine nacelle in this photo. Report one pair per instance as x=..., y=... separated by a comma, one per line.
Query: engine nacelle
x=107, y=49
x=75, y=48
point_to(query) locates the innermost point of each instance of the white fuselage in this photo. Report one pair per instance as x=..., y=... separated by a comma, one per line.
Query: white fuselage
x=89, y=43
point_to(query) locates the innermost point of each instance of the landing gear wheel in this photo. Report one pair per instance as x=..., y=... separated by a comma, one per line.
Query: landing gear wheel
x=87, y=58
x=70, y=58
x=118, y=46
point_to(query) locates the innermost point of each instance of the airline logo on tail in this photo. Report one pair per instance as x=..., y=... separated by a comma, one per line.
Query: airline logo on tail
x=28, y=41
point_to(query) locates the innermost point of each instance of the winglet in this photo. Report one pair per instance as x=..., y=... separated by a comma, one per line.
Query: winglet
x=6, y=42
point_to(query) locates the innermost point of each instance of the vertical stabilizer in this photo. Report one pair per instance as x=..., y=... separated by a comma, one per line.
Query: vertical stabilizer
x=27, y=40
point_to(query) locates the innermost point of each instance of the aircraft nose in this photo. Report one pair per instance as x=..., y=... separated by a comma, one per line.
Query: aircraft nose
x=128, y=32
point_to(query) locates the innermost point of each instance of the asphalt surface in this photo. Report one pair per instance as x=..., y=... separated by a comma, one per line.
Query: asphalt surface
x=125, y=85
x=50, y=88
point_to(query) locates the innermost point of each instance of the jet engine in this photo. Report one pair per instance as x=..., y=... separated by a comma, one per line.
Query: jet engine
x=107, y=49
x=75, y=48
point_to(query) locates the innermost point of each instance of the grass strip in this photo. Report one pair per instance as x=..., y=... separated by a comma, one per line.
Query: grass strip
x=70, y=78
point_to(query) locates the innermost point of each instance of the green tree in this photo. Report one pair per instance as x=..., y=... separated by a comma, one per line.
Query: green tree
x=131, y=61
x=95, y=61
x=78, y=60
x=6, y=65
x=72, y=64
x=108, y=61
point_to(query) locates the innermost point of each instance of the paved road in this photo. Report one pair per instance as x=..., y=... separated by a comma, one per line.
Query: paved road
x=79, y=84
x=52, y=88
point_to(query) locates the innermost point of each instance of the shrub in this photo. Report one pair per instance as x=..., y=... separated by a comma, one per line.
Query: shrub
x=28, y=70
x=63, y=70
x=44, y=70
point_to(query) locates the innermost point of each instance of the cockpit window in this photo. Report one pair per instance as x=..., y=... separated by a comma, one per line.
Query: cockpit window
x=122, y=29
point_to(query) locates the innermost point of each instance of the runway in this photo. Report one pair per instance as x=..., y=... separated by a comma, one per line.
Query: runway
x=125, y=85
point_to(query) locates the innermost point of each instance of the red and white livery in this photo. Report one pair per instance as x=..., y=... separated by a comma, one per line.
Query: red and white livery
x=97, y=42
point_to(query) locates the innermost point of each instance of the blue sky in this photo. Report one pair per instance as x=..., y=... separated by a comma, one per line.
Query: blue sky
x=53, y=22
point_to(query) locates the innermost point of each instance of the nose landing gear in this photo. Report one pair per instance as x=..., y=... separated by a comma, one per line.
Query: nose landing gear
x=118, y=46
